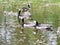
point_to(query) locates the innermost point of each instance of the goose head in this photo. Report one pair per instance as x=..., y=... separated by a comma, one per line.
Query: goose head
x=28, y=5
x=26, y=8
x=49, y=29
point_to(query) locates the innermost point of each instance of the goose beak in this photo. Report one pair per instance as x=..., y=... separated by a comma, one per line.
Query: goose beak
x=49, y=29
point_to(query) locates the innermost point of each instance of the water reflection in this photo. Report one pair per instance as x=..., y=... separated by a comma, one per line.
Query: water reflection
x=6, y=29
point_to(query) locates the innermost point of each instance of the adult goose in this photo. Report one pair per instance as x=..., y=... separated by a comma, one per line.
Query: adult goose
x=36, y=25
x=47, y=27
x=26, y=15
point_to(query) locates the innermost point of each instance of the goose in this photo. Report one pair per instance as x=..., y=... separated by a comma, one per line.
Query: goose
x=20, y=16
x=25, y=15
x=36, y=25
x=44, y=27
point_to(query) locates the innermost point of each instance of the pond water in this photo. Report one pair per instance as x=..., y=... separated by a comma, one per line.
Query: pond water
x=10, y=34
x=7, y=27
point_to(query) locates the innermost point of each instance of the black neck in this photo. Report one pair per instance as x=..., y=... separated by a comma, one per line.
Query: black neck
x=19, y=13
x=23, y=22
x=36, y=23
